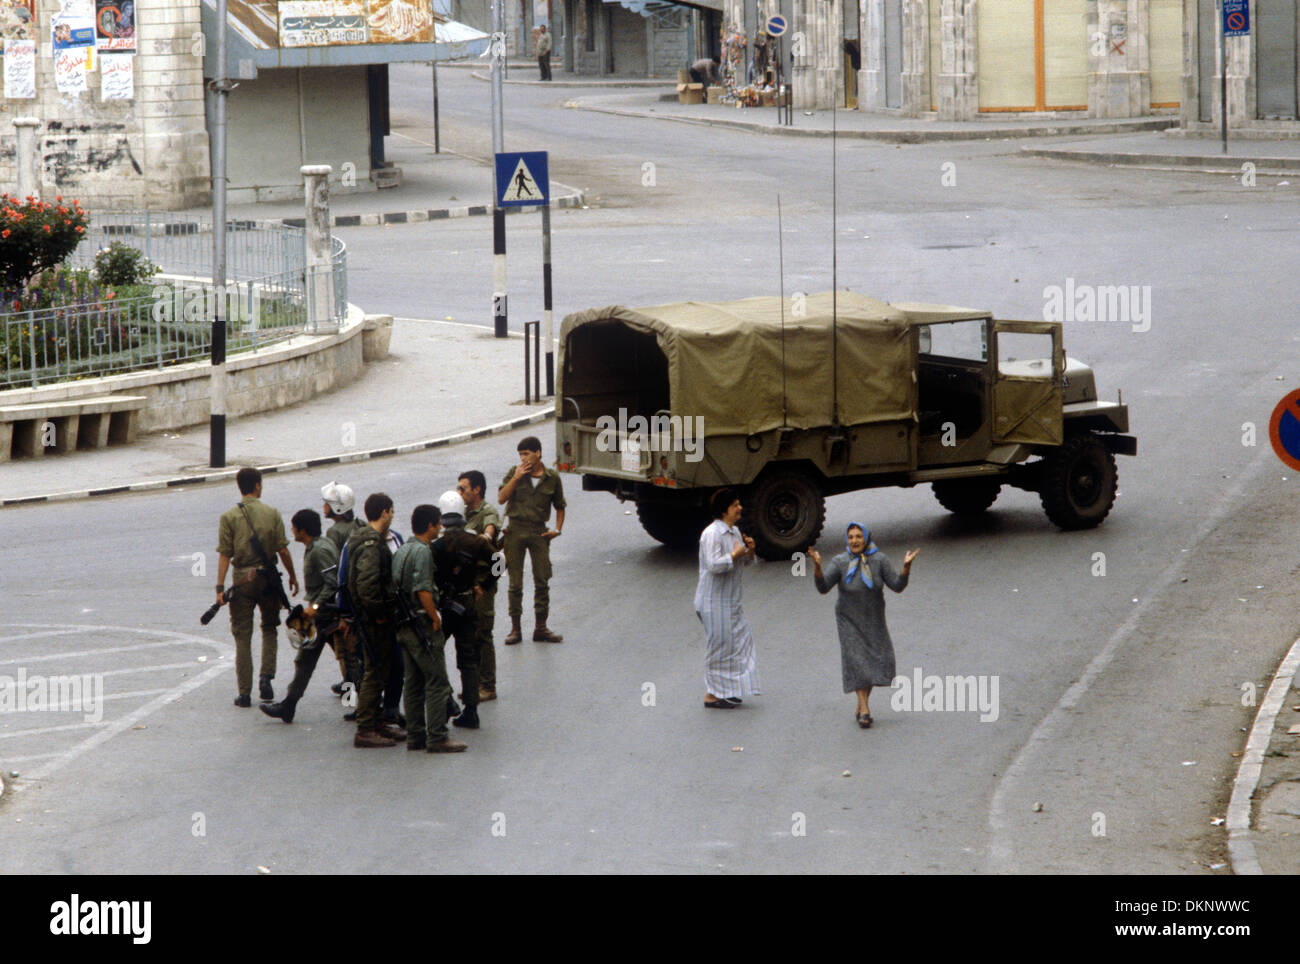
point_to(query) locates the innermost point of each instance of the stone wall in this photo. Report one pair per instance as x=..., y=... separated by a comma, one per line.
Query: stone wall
x=151, y=151
x=275, y=377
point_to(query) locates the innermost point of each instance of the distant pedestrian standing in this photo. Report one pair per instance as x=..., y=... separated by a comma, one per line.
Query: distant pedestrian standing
x=730, y=666
x=240, y=533
x=861, y=573
x=528, y=492
x=544, y=52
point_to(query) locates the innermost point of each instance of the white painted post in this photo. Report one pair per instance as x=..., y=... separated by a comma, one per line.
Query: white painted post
x=27, y=183
x=320, y=269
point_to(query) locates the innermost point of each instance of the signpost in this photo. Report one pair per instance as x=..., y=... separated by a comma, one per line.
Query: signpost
x=1235, y=22
x=522, y=180
x=1284, y=430
x=776, y=28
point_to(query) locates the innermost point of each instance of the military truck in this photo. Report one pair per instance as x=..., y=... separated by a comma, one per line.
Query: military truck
x=791, y=401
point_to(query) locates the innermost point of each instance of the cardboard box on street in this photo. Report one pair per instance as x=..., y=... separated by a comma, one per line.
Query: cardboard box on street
x=690, y=93
x=715, y=93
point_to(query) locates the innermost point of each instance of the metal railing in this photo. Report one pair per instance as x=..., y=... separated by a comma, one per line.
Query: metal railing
x=96, y=333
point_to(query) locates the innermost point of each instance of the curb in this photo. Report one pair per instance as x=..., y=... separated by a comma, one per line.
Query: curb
x=1241, y=849
x=379, y=219
x=225, y=475
x=1206, y=163
x=900, y=136
x=630, y=83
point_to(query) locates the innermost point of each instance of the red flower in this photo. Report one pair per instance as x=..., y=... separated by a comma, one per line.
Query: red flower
x=46, y=226
x=60, y=197
x=4, y=233
x=80, y=229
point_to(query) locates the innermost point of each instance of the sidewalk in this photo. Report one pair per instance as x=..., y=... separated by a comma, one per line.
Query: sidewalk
x=353, y=423
x=857, y=123
x=1177, y=151
x=434, y=186
x=1263, y=821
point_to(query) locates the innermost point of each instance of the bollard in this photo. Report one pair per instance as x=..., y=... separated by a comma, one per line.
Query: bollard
x=532, y=372
x=26, y=159
x=319, y=265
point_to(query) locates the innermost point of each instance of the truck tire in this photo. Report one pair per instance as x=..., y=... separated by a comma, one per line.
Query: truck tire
x=967, y=496
x=786, y=512
x=1079, y=483
x=676, y=526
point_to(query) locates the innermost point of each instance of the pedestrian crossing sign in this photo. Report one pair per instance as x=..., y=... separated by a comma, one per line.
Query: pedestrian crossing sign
x=522, y=179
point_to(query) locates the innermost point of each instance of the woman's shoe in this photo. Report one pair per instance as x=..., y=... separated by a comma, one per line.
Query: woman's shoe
x=864, y=720
x=720, y=704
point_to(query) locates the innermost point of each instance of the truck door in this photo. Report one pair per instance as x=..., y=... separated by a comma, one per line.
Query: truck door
x=1028, y=383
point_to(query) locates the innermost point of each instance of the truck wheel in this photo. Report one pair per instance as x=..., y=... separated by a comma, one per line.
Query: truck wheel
x=967, y=496
x=786, y=512
x=1079, y=482
x=676, y=526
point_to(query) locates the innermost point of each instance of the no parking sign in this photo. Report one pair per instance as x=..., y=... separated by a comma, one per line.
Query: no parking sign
x=1284, y=430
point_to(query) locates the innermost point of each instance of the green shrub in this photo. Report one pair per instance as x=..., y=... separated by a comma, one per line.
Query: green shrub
x=121, y=264
x=36, y=235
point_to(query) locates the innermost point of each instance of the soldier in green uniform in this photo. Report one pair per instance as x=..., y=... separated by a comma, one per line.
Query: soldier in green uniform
x=528, y=492
x=253, y=589
x=427, y=688
x=481, y=517
x=339, y=500
x=370, y=590
x=320, y=570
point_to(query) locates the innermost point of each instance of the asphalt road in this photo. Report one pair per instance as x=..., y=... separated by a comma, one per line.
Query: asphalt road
x=1120, y=695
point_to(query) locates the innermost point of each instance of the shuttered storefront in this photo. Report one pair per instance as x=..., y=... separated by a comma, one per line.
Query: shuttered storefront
x=936, y=51
x=1033, y=55
x=1165, y=43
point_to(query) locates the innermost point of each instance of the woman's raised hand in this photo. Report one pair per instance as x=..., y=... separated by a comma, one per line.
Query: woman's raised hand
x=907, y=559
x=815, y=556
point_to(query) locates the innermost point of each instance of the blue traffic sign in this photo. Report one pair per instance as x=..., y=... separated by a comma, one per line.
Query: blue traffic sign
x=1236, y=18
x=776, y=26
x=522, y=179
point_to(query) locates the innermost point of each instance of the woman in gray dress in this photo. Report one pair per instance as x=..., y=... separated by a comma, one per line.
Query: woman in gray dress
x=861, y=573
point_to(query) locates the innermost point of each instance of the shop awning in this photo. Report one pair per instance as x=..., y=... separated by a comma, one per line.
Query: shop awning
x=648, y=8
x=263, y=34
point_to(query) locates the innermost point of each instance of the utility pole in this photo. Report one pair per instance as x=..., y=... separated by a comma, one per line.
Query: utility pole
x=500, y=319
x=220, y=86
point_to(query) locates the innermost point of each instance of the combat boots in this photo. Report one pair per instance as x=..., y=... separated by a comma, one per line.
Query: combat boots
x=264, y=691
x=371, y=738
x=281, y=711
x=516, y=634
x=543, y=635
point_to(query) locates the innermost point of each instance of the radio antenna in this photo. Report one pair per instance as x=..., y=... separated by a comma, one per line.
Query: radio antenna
x=835, y=368
x=780, y=246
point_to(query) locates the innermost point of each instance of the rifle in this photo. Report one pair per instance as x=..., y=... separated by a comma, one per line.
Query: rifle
x=208, y=616
x=269, y=568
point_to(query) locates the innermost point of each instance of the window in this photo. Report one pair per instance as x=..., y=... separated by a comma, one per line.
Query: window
x=1025, y=354
x=966, y=340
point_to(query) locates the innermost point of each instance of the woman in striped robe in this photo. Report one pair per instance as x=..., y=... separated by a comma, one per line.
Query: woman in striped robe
x=729, y=670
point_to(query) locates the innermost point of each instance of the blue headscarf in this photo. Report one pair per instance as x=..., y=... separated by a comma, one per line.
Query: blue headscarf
x=870, y=550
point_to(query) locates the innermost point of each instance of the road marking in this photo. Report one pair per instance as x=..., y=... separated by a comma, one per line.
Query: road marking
x=61, y=632
x=94, y=652
x=1048, y=728
x=105, y=732
x=49, y=729
x=1241, y=849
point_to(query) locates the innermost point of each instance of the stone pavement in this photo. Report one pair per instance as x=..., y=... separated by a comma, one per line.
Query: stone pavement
x=418, y=393
x=1271, y=810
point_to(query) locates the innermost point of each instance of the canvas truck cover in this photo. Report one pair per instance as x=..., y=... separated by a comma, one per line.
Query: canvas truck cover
x=725, y=358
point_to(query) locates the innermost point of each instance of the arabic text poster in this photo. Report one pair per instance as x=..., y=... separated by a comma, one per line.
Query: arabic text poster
x=20, y=69
x=117, y=76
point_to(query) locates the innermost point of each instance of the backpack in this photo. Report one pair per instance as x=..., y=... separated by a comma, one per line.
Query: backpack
x=343, y=601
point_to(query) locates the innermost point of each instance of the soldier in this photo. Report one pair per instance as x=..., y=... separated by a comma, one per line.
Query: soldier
x=339, y=500
x=462, y=565
x=528, y=492
x=481, y=517
x=320, y=570
x=370, y=592
x=427, y=689
x=254, y=587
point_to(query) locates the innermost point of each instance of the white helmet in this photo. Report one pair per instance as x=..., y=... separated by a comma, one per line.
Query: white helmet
x=338, y=497
x=450, y=503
